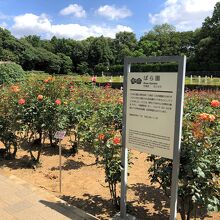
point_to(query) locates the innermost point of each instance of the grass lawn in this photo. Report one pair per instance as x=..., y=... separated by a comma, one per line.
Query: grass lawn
x=119, y=79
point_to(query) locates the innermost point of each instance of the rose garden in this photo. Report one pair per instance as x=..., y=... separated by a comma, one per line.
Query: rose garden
x=33, y=110
x=52, y=83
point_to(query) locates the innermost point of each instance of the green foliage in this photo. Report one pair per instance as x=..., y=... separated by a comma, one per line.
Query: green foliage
x=83, y=68
x=8, y=122
x=92, y=117
x=207, y=49
x=95, y=55
x=200, y=157
x=99, y=52
x=10, y=73
x=7, y=55
x=36, y=109
x=66, y=64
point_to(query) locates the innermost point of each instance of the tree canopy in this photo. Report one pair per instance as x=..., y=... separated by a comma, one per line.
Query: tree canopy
x=97, y=54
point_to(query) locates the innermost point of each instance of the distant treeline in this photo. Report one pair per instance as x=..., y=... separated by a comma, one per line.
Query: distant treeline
x=97, y=55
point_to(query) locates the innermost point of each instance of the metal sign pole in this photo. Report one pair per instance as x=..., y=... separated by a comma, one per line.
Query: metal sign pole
x=60, y=135
x=174, y=153
x=177, y=140
x=124, y=148
x=60, y=151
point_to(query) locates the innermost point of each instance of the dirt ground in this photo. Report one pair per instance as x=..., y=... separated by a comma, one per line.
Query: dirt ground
x=83, y=183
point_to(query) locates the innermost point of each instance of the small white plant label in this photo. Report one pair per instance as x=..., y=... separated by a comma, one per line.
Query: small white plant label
x=60, y=135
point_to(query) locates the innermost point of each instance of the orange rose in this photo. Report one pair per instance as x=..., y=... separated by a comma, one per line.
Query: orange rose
x=101, y=137
x=40, y=97
x=204, y=116
x=211, y=118
x=120, y=101
x=15, y=89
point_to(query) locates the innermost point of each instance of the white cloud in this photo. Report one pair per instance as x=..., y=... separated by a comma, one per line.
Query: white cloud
x=76, y=10
x=79, y=32
x=113, y=13
x=29, y=24
x=185, y=15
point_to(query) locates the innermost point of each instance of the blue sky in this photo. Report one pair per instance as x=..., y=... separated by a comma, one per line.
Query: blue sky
x=83, y=18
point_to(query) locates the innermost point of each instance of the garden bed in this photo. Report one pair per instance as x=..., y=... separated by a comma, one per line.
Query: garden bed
x=84, y=182
x=32, y=111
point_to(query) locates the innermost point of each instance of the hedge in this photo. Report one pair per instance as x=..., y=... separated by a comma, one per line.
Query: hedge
x=11, y=73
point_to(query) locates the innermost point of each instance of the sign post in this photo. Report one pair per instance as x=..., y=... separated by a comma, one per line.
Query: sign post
x=60, y=135
x=152, y=118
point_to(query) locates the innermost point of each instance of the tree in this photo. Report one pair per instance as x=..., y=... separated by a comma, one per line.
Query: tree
x=207, y=51
x=29, y=56
x=66, y=63
x=7, y=55
x=61, y=46
x=79, y=53
x=34, y=40
x=10, y=46
x=124, y=44
x=100, y=52
x=163, y=39
x=149, y=48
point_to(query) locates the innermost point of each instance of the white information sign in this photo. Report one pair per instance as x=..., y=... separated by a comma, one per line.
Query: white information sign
x=152, y=118
x=150, y=112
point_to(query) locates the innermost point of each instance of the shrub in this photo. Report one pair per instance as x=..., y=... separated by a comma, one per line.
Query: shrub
x=200, y=157
x=11, y=73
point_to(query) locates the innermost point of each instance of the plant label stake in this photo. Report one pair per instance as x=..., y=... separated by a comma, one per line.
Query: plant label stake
x=152, y=118
x=60, y=135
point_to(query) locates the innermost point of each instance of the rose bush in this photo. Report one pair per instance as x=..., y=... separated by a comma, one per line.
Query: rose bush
x=35, y=109
x=199, y=186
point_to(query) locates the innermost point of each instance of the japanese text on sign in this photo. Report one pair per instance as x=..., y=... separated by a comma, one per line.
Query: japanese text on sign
x=150, y=110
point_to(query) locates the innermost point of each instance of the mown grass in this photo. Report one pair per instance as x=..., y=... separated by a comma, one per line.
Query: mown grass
x=203, y=81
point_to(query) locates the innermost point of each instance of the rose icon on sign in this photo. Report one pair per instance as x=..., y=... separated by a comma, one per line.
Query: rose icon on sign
x=138, y=81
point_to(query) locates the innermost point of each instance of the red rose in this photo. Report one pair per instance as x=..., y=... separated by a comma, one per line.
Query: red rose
x=215, y=103
x=58, y=102
x=108, y=85
x=116, y=140
x=21, y=101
